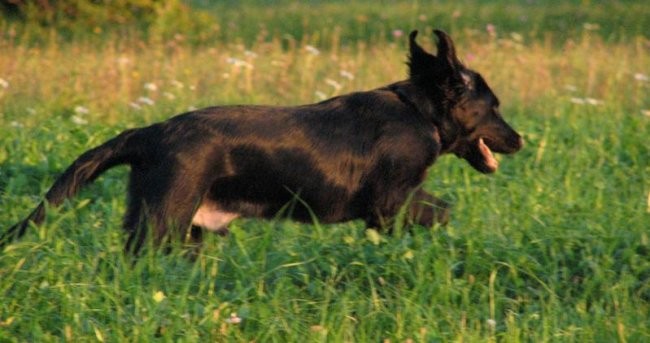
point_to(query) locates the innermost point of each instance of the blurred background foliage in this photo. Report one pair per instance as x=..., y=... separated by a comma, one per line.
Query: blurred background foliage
x=41, y=20
x=206, y=21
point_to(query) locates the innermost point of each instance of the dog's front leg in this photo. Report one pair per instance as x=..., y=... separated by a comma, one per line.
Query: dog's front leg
x=385, y=206
x=426, y=210
x=423, y=209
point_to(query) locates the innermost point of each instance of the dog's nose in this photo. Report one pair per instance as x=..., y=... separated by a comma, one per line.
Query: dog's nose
x=515, y=143
x=520, y=142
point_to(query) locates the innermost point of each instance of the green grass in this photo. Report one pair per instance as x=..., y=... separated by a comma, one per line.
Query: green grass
x=553, y=247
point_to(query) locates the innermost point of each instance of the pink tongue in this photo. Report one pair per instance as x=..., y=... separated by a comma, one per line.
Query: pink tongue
x=490, y=161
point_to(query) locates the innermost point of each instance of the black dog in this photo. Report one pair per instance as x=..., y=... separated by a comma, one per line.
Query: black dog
x=357, y=156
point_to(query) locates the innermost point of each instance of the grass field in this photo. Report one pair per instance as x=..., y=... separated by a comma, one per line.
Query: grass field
x=554, y=247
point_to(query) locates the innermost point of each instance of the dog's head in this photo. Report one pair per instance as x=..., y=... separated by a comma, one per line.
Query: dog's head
x=466, y=109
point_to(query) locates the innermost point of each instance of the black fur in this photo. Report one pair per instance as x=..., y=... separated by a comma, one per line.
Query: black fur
x=357, y=156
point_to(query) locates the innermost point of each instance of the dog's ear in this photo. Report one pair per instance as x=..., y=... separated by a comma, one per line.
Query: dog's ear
x=447, y=51
x=422, y=65
x=418, y=55
x=428, y=70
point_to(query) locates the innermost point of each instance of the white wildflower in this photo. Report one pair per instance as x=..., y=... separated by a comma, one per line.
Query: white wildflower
x=491, y=29
x=381, y=281
x=79, y=120
x=578, y=101
x=334, y=84
x=587, y=101
x=169, y=96
x=491, y=323
x=594, y=102
x=312, y=50
x=4, y=83
x=250, y=54
x=346, y=74
x=191, y=108
x=645, y=113
x=81, y=110
x=177, y=84
x=146, y=101
x=591, y=26
x=16, y=124
x=517, y=37
x=238, y=62
x=637, y=76
x=232, y=60
x=135, y=105
x=150, y=86
x=234, y=319
x=122, y=61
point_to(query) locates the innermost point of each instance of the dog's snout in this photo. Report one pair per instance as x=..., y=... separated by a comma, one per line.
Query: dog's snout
x=511, y=143
x=519, y=142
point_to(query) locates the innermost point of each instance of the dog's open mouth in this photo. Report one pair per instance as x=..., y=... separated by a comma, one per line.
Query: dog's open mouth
x=480, y=156
x=489, y=161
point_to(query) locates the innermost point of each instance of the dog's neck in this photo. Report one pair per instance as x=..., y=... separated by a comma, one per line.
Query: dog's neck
x=429, y=109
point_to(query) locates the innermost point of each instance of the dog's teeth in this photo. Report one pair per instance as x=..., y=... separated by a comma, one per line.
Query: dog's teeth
x=490, y=161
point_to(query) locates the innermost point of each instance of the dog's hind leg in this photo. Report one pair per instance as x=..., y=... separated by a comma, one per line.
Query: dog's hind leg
x=158, y=202
x=135, y=225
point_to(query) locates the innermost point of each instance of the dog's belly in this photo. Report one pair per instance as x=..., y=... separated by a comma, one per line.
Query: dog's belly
x=211, y=217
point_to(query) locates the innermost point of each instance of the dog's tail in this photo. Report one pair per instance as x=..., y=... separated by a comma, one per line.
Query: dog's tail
x=84, y=170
